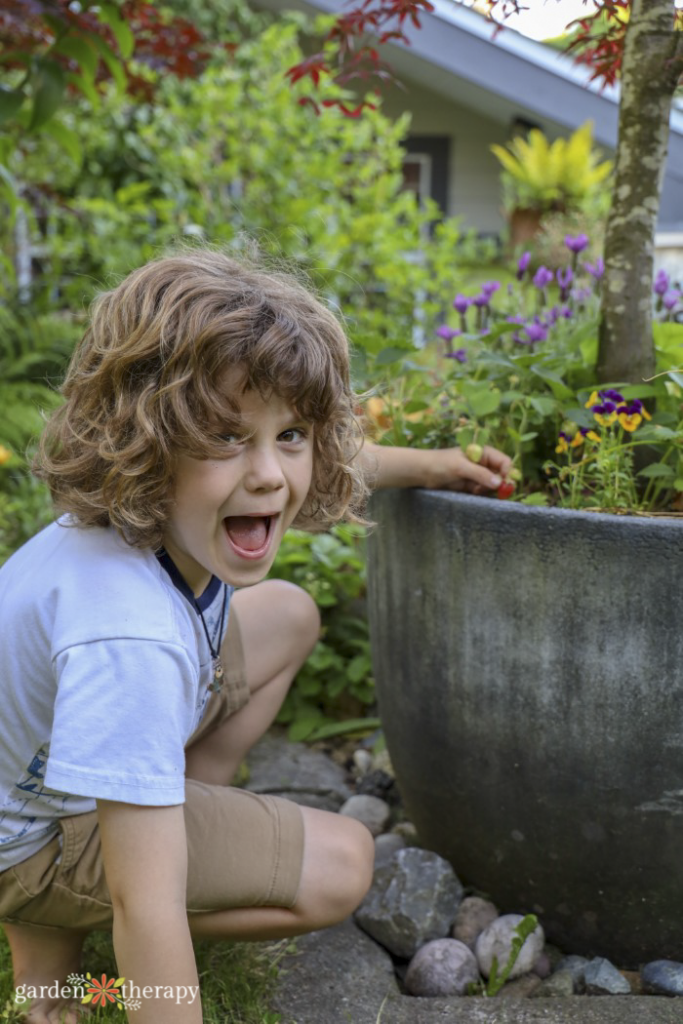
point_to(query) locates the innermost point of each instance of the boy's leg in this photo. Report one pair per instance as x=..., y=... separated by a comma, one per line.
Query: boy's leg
x=40, y=957
x=279, y=625
x=335, y=876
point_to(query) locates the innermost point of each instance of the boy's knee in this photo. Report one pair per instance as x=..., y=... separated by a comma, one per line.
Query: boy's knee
x=301, y=612
x=338, y=868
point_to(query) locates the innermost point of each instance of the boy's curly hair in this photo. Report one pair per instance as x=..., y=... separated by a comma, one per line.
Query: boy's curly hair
x=144, y=385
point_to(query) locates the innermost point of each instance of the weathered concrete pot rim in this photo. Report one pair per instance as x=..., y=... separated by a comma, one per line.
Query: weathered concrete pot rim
x=540, y=513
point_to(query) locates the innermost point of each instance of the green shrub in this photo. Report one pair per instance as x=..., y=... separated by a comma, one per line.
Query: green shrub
x=337, y=678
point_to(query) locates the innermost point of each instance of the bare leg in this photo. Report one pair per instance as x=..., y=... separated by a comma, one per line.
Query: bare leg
x=280, y=625
x=41, y=957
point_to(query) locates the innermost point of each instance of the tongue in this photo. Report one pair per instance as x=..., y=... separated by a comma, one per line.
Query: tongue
x=247, y=532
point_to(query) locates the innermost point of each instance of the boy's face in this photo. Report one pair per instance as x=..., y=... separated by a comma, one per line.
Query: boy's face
x=229, y=515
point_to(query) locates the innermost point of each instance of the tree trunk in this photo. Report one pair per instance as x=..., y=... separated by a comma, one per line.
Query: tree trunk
x=652, y=66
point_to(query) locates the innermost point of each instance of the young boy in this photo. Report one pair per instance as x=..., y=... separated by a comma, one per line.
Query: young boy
x=207, y=409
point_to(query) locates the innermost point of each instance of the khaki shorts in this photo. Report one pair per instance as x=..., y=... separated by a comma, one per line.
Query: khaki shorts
x=244, y=850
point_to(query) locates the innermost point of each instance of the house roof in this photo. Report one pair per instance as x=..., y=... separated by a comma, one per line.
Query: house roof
x=456, y=54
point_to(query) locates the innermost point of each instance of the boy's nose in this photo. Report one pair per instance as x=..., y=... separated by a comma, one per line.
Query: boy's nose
x=264, y=471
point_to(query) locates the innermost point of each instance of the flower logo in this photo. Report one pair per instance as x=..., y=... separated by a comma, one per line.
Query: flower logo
x=108, y=990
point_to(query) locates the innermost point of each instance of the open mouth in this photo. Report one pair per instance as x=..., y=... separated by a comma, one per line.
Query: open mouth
x=249, y=535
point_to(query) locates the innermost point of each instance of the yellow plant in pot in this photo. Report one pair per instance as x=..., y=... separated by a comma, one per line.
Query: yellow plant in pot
x=540, y=176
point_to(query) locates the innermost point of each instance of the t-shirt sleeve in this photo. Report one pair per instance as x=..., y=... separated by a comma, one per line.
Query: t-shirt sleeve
x=123, y=713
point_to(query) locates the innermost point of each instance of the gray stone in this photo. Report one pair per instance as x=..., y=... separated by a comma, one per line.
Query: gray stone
x=408, y=831
x=474, y=914
x=413, y=899
x=559, y=985
x=603, y=979
x=496, y=941
x=362, y=760
x=337, y=975
x=385, y=848
x=521, y=988
x=576, y=965
x=373, y=812
x=291, y=770
x=443, y=967
x=542, y=967
x=662, y=977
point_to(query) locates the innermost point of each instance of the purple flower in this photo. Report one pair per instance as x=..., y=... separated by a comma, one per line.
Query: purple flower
x=461, y=303
x=490, y=287
x=516, y=318
x=543, y=277
x=460, y=354
x=580, y=295
x=535, y=332
x=447, y=333
x=605, y=409
x=611, y=395
x=567, y=312
x=564, y=279
x=481, y=300
x=522, y=264
x=576, y=243
x=661, y=285
x=596, y=269
x=670, y=298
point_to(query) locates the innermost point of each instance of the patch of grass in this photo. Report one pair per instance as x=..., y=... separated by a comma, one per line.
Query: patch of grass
x=237, y=980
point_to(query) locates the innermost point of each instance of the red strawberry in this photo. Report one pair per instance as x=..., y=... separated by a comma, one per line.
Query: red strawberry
x=506, y=489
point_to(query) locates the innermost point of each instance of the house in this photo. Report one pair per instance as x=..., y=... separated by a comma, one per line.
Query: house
x=467, y=89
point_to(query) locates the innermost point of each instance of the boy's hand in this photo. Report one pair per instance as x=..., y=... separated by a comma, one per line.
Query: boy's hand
x=454, y=471
x=437, y=468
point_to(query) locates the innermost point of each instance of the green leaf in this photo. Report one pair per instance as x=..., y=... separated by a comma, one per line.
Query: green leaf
x=80, y=50
x=678, y=484
x=10, y=102
x=543, y=406
x=341, y=728
x=50, y=83
x=85, y=86
x=113, y=63
x=657, y=469
x=125, y=39
x=67, y=139
x=557, y=385
x=534, y=499
x=392, y=355
x=484, y=402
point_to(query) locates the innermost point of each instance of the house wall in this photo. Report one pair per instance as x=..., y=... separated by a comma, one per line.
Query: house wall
x=474, y=172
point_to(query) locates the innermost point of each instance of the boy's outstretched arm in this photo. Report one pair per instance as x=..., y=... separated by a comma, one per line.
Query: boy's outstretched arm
x=437, y=468
x=145, y=861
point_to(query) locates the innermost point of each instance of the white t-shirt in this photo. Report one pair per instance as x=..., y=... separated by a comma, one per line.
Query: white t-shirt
x=104, y=675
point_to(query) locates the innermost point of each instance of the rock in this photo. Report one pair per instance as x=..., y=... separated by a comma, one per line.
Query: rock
x=293, y=771
x=520, y=988
x=443, y=967
x=474, y=914
x=558, y=986
x=496, y=940
x=603, y=979
x=336, y=975
x=662, y=978
x=408, y=831
x=576, y=965
x=370, y=810
x=378, y=783
x=412, y=900
x=362, y=760
x=385, y=847
x=382, y=762
x=542, y=966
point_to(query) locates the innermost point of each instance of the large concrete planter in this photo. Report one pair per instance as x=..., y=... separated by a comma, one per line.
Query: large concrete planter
x=529, y=666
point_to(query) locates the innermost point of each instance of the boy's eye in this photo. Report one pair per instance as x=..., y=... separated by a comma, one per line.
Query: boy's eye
x=293, y=434
x=230, y=438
